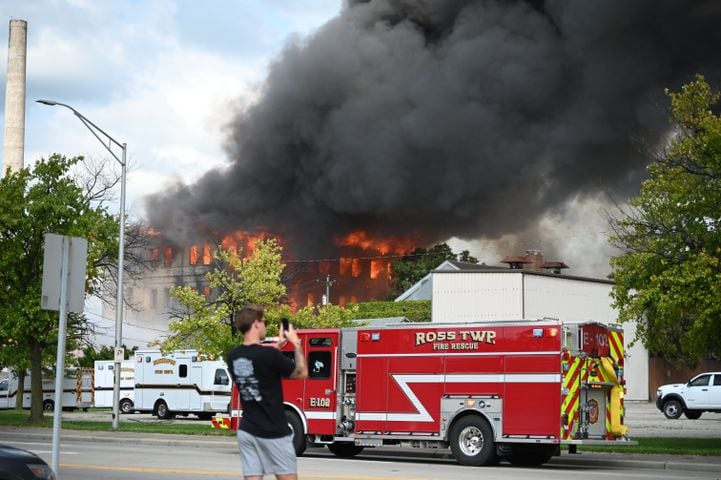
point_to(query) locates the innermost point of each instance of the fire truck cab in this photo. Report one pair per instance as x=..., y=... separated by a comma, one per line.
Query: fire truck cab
x=488, y=391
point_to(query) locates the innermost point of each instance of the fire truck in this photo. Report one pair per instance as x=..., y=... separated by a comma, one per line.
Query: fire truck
x=491, y=391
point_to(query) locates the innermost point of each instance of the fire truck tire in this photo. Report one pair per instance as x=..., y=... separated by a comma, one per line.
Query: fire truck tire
x=344, y=450
x=299, y=438
x=471, y=440
x=126, y=406
x=48, y=405
x=162, y=411
x=693, y=414
x=672, y=409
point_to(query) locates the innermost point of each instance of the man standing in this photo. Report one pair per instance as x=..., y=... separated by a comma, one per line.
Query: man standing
x=264, y=438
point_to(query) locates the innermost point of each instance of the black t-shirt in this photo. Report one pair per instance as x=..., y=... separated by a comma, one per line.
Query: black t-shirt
x=257, y=371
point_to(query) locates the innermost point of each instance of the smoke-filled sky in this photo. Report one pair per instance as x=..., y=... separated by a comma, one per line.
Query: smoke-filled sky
x=474, y=120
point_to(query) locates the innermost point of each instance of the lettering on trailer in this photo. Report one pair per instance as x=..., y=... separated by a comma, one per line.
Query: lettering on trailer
x=455, y=340
x=423, y=415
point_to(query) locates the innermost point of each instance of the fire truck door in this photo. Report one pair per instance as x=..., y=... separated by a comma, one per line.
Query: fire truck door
x=320, y=387
x=596, y=405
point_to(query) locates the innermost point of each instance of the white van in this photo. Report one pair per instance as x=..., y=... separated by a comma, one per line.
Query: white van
x=105, y=381
x=180, y=383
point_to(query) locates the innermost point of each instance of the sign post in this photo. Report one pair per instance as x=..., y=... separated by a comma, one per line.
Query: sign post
x=64, y=270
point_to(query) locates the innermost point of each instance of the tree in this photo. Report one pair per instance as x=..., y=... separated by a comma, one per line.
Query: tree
x=669, y=276
x=32, y=203
x=206, y=324
x=413, y=267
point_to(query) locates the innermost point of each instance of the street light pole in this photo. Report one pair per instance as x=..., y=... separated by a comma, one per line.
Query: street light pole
x=108, y=142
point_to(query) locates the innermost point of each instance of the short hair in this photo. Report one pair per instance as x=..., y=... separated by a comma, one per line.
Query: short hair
x=246, y=316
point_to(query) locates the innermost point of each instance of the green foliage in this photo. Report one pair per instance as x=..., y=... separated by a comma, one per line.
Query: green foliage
x=669, y=278
x=414, y=310
x=32, y=203
x=90, y=355
x=411, y=268
x=206, y=324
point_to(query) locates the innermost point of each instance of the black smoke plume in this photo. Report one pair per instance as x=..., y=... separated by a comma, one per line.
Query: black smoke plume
x=441, y=118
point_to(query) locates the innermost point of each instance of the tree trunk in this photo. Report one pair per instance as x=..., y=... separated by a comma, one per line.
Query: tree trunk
x=36, y=385
x=20, y=391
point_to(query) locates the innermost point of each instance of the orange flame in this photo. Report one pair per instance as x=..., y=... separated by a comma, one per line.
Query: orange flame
x=241, y=241
x=384, y=246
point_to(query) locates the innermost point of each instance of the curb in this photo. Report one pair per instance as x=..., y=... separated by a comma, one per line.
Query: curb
x=584, y=459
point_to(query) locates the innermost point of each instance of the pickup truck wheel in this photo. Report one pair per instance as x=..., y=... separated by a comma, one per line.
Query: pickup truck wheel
x=344, y=450
x=471, y=440
x=48, y=405
x=162, y=411
x=672, y=409
x=299, y=439
x=693, y=414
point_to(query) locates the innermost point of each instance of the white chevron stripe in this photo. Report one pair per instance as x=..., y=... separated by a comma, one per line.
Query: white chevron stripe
x=422, y=414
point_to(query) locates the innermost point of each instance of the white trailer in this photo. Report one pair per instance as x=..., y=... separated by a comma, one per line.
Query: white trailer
x=8, y=391
x=180, y=383
x=77, y=390
x=500, y=294
x=104, y=383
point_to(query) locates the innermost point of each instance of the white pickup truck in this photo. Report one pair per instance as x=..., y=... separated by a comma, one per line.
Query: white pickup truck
x=701, y=394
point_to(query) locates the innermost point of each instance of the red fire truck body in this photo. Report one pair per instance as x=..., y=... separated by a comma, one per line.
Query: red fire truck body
x=489, y=391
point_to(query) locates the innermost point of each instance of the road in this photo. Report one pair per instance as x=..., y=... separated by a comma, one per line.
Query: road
x=127, y=456
x=91, y=459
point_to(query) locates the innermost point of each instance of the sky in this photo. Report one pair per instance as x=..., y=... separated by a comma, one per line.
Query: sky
x=157, y=75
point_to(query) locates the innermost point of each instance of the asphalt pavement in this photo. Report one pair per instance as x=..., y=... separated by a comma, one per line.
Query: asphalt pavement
x=643, y=419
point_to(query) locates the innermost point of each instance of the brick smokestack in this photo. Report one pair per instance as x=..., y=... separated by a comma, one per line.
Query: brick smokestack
x=14, y=136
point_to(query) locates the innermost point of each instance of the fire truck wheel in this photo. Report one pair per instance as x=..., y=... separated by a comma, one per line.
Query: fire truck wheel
x=126, y=406
x=672, y=409
x=344, y=450
x=471, y=440
x=693, y=414
x=162, y=411
x=48, y=405
x=299, y=439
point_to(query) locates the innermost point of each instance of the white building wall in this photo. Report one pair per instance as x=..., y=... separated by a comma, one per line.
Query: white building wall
x=567, y=299
x=487, y=296
x=470, y=297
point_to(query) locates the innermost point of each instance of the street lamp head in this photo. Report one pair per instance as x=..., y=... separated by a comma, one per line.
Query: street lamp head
x=47, y=102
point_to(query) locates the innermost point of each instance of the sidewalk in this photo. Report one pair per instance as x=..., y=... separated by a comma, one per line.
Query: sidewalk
x=609, y=461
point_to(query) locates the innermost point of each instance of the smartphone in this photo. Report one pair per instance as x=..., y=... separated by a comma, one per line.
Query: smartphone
x=285, y=324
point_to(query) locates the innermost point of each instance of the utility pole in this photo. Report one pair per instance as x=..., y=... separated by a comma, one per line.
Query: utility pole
x=328, y=282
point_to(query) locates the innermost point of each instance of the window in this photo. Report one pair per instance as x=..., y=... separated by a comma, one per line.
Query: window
x=319, y=364
x=701, y=381
x=168, y=257
x=183, y=371
x=717, y=380
x=193, y=255
x=4, y=387
x=221, y=377
x=321, y=342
